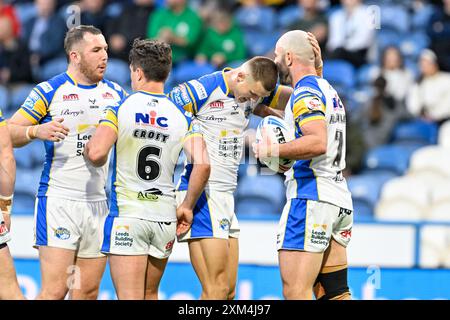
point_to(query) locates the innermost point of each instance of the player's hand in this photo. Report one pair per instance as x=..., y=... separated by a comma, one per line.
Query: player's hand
x=7, y=219
x=184, y=219
x=51, y=131
x=265, y=148
x=316, y=48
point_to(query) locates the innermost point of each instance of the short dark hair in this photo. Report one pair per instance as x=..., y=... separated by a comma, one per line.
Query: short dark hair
x=76, y=34
x=264, y=70
x=153, y=57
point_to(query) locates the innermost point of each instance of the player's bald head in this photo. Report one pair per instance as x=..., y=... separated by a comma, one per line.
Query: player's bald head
x=297, y=43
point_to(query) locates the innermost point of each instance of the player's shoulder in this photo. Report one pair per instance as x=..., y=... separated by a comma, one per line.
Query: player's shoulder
x=205, y=85
x=308, y=85
x=52, y=84
x=116, y=87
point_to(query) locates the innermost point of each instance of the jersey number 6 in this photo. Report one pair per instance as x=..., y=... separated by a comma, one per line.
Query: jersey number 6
x=148, y=168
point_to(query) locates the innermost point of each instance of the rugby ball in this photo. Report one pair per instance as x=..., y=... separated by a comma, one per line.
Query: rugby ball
x=278, y=132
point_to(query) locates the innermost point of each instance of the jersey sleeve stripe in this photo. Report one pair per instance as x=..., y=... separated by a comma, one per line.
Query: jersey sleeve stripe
x=192, y=135
x=192, y=98
x=109, y=123
x=2, y=123
x=304, y=95
x=42, y=96
x=312, y=118
x=274, y=102
x=29, y=115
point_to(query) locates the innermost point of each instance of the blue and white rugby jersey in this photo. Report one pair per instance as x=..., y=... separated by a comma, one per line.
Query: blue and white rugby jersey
x=66, y=173
x=150, y=130
x=2, y=121
x=222, y=122
x=319, y=178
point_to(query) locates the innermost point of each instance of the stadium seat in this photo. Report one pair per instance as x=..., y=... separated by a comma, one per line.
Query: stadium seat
x=4, y=98
x=435, y=247
x=420, y=19
x=23, y=203
x=416, y=131
x=366, y=187
x=362, y=210
x=24, y=157
x=403, y=199
x=366, y=74
x=289, y=15
x=339, y=72
x=444, y=135
x=269, y=187
x=37, y=153
x=118, y=71
x=395, y=18
x=52, y=68
x=430, y=164
x=256, y=18
x=440, y=202
x=27, y=180
x=259, y=43
x=413, y=44
x=19, y=95
x=394, y=158
x=386, y=37
x=189, y=70
x=254, y=205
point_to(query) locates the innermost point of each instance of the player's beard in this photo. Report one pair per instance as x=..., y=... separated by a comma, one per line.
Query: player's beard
x=284, y=75
x=89, y=72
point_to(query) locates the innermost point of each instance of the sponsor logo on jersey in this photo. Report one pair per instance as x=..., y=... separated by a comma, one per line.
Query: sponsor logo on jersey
x=31, y=100
x=71, y=97
x=93, y=105
x=347, y=234
x=73, y=113
x=149, y=194
x=343, y=211
x=313, y=104
x=301, y=90
x=217, y=105
x=153, y=103
x=319, y=236
x=199, y=89
x=323, y=226
x=151, y=119
x=3, y=229
x=213, y=118
x=107, y=95
x=122, y=236
x=169, y=245
x=151, y=135
x=224, y=224
x=338, y=118
x=46, y=87
x=62, y=233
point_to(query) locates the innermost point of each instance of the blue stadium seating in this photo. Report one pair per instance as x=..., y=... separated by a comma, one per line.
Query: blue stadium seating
x=366, y=74
x=23, y=203
x=413, y=44
x=387, y=37
x=362, y=210
x=394, y=17
x=24, y=157
x=289, y=15
x=419, y=19
x=339, y=72
x=19, y=95
x=268, y=187
x=258, y=18
x=254, y=205
x=391, y=157
x=415, y=132
x=189, y=70
x=52, y=68
x=260, y=43
x=118, y=71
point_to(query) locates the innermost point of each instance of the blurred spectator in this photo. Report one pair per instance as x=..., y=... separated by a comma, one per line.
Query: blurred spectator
x=313, y=20
x=206, y=8
x=14, y=56
x=430, y=97
x=381, y=115
x=178, y=25
x=45, y=33
x=350, y=33
x=7, y=10
x=398, y=79
x=93, y=13
x=439, y=32
x=223, y=41
x=131, y=24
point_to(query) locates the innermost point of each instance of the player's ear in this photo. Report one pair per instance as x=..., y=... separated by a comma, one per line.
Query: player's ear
x=240, y=77
x=288, y=57
x=74, y=56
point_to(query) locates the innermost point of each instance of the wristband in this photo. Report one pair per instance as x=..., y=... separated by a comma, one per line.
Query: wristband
x=6, y=204
x=27, y=133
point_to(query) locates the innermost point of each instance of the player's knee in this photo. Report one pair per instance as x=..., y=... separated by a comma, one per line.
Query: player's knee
x=216, y=291
x=231, y=293
x=54, y=293
x=298, y=292
x=333, y=284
